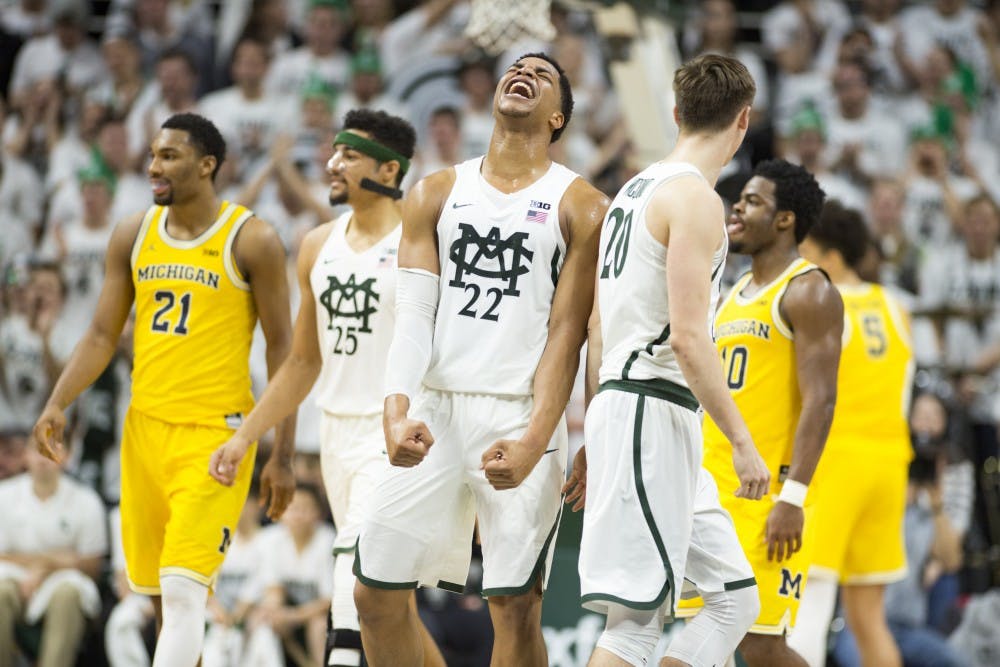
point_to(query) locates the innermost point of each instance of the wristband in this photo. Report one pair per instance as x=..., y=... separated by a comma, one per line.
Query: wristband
x=793, y=493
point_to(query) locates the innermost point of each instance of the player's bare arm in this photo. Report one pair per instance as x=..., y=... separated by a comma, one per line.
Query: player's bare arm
x=287, y=388
x=575, y=488
x=98, y=344
x=688, y=216
x=508, y=462
x=407, y=440
x=261, y=258
x=815, y=311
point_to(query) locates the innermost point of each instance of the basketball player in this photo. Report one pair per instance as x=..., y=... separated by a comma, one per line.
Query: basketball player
x=663, y=247
x=859, y=489
x=496, y=276
x=347, y=275
x=778, y=332
x=200, y=273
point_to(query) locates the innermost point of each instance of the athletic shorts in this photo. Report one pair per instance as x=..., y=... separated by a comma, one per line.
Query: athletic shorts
x=176, y=519
x=419, y=532
x=352, y=458
x=859, y=503
x=780, y=585
x=652, y=512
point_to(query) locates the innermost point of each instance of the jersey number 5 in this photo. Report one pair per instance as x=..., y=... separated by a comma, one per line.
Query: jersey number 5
x=161, y=322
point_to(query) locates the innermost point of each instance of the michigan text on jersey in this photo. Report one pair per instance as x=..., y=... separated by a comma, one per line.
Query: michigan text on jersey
x=739, y=327
x=192, y=274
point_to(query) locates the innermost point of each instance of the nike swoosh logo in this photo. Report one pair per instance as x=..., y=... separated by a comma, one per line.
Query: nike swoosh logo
x=549, y=451
x=457, y=205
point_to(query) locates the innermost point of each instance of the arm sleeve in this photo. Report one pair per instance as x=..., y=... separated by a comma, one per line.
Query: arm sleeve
x=410, y=352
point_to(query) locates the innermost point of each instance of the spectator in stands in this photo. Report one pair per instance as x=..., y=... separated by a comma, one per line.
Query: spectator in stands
x=475, y=78
x=863, y=141
x=21, y=196
x=79, y=246
x=798, y=32
x=322, y=56
x=66, y=53
x=935, y=194
x=901, y=257
x=442, y=148
x=32, y=347
x=366, y=89
x=954, y=23
x=13, y=452
x=53, y=541
x=177, y=83
x=125, y=82
x=939, y=504
x=880, y=18
x=249, y=118
x=713, y=29
x=296, y=577
x=807, y=146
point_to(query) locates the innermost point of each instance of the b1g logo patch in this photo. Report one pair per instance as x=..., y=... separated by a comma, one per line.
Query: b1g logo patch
x=790, y=585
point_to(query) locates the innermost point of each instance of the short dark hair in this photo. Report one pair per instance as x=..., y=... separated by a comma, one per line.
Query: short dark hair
x=565, y=91
x=390, y=131
x=313, y=490
x=842, y=229
x=203, y=135
x=710, y=91
x=795, y=190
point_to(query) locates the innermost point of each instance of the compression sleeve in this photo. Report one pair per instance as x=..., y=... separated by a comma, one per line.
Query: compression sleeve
x=410, y=352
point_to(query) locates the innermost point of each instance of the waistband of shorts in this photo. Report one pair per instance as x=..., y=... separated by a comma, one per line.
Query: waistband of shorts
x=659, y=388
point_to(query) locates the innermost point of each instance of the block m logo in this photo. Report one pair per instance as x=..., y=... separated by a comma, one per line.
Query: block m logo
x=789, y=584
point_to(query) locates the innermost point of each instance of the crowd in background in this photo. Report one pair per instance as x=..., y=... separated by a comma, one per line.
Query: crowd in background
x=895, y=107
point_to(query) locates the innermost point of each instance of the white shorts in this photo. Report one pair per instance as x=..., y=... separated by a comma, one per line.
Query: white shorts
x=352, y=459
x=652, y=513
x=420, y=528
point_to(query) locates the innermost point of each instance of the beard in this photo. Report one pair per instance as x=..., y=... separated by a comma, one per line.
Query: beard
x=337, y=200
x=165, y=199
x=738, y=247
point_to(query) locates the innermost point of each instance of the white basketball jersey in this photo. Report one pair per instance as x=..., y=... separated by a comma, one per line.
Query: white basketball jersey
x=632, y=284
x=355, y=313
x=500, y=260
x=83, y=270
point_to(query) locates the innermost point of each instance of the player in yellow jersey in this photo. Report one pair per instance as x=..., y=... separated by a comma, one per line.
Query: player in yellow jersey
x=200, y=272
x=859, y=490
x=778, y=332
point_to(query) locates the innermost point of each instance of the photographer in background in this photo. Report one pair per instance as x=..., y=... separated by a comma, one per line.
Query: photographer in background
x=939, y=504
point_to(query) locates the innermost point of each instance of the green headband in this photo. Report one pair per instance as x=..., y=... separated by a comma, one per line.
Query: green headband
x=371, y=149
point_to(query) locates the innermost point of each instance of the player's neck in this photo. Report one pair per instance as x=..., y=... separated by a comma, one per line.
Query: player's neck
x=373, y=219
x=516, y=159
x=709, y=153
x=771, y=263
x=190, y=218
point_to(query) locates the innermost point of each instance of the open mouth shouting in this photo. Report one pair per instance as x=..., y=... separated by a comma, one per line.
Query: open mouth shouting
x=521, y=87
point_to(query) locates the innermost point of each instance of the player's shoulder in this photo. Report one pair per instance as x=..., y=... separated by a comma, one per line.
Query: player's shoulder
x=582, y=195
x=314, y=240
x=811, y=292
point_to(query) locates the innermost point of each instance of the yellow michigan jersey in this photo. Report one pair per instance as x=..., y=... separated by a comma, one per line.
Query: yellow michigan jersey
x=859, y=489
x=758, y=356
x=194, y=322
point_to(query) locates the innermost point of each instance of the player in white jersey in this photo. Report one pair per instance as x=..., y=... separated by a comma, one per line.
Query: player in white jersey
x=347, y=274
x=663, y=248
x=495, y=285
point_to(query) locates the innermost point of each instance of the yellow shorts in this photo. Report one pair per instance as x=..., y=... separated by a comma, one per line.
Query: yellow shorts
x=779, y=585
x=859, y=506
x=176, y=519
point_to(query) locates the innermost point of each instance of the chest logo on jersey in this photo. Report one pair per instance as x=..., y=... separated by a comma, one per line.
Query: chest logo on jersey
x=350, y=299
x=490, y=256
x=754, y=328
x=193, y=274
